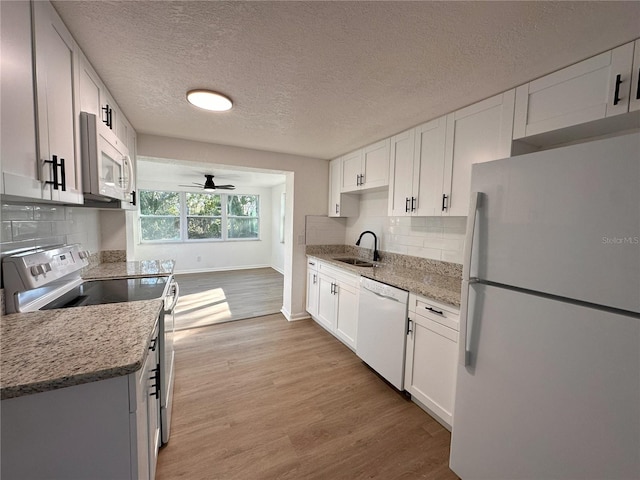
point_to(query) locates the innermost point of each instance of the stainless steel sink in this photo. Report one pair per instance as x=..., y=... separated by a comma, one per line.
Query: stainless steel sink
x=357, y=262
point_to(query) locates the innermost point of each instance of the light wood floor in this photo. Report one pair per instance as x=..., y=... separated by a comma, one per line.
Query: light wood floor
x=269, y=399
x=216, y=297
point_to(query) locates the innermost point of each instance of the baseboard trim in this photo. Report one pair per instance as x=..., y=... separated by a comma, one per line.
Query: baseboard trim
x=279, y=270
x=294, y=317
x=222, y=269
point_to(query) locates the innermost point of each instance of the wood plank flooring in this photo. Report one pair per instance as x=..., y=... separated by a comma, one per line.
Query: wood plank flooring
x=216, y=297
x=266, y=399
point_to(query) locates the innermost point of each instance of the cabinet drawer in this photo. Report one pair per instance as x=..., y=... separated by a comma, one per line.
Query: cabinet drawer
x=438, y=312
x=312, y=264
x=338, y=274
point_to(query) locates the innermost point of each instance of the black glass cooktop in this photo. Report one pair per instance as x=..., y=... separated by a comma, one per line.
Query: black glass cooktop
x=98, y=292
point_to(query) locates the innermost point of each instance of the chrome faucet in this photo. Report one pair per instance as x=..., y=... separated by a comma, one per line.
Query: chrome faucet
x=376, y=256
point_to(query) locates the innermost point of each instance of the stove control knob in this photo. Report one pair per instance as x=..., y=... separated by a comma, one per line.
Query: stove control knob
x=83, y=254
x=46, y=267
x=37, y=270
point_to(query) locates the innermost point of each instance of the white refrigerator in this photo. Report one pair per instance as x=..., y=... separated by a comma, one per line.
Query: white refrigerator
x=548, y=383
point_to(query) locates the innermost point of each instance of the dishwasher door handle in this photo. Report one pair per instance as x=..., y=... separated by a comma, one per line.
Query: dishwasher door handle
x=382, y=296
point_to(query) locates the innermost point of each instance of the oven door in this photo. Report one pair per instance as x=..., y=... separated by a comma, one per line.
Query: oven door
x=107, y=169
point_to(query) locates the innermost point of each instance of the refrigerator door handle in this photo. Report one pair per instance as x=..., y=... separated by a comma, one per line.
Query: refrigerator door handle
x=474, y=203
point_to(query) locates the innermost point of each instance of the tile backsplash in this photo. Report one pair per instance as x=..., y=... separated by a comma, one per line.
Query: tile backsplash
x=434, y=238
x=31, y=225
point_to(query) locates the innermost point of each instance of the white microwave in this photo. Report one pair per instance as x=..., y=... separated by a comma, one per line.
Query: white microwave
x=107, y=171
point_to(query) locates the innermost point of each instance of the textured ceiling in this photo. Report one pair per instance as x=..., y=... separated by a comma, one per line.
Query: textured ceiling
x=322, y=78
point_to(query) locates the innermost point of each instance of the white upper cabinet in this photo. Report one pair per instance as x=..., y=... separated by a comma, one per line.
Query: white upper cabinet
x=20, y=166
x=56, y=63
x=401, y=174
x=340, y=205
x=590, y=90
x=475, y=134
x=366, y=168
x=96, y=99
x=429, y=167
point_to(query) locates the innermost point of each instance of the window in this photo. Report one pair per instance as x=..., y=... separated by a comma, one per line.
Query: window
x=204, y=216
x=160, y=215
x=242, y=216
x=182, y=216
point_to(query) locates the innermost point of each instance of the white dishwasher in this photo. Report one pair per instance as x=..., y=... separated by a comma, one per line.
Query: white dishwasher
x=382, y=329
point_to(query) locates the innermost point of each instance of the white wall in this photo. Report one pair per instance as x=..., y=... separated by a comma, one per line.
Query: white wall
x=307, y=188
x=277, y=247
x=203, y=256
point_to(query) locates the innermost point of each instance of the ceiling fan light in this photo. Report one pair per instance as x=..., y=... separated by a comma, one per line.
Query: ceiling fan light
x=209, y=100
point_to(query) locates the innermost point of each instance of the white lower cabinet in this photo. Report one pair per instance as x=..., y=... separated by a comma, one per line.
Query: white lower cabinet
x=431, y=358
x=333, y=301
x=101, y=430
x=312, y=286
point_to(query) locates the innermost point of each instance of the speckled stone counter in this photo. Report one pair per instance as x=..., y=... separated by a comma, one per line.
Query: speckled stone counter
x=440, y=281
x=142, y=268
x=52, y=349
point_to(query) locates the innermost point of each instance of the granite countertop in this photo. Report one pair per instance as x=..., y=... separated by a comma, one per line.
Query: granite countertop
x=142, y=268
x=431, y=284
x=51, y=349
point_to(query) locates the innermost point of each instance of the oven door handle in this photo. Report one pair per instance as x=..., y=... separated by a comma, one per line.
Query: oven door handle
x=176, y=295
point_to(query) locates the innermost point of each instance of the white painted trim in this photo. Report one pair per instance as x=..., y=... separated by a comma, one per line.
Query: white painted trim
x=279, y=270
x=294, y=317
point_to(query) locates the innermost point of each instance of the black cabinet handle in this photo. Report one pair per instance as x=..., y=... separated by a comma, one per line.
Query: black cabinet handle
x=438, y=312
x=406, y=204
x=63, y=174
x=108, y=116
x=337, y=208
x=444, y=201
x=154, y=342
x=638, y=86
x=133, y=198
x=57, y=184
x=616, y=97
x=409, y=330
x=413, y=204
x=156, y=378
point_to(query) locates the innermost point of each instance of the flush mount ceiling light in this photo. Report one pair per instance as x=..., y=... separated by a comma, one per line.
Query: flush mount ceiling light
x=209, y=100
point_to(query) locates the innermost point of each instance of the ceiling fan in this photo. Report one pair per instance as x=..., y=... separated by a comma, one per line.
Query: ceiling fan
x=209, y=185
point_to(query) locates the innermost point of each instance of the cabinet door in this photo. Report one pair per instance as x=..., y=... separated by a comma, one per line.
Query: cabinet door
x=20, y=171
x=574, y=95
x=476, y=134
x=312, y=291
x=56, y=65
x=347, y=313
x=375, y=165
x=634, y=102
x=130, y=203
x=429, y=167
x=431, y=365
x=340, y=205
x=90, y=87
x=401, y=173
x=351, y=171
x=326, y=302
x=153, y=415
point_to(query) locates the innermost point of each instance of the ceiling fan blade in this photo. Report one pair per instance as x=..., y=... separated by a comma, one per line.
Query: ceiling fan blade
x=226, y=187
x=199, y=185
